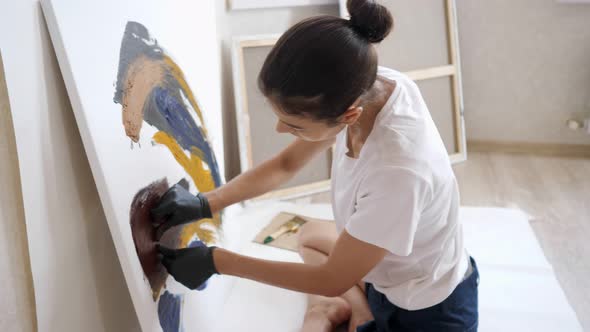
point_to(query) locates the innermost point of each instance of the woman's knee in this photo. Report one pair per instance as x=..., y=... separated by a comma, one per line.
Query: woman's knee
x=317, y=235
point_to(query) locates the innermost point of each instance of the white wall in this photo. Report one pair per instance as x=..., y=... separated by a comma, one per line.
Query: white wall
x=526, y=69
x=17, y=302
x=245, y=23
x=58, y=189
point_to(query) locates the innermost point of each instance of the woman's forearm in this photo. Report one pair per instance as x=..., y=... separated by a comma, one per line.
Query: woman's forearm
x=304, y=278
x=254, y=182
x=267, y=176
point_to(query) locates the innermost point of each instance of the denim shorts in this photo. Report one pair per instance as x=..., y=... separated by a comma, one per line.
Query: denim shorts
x=457, y=313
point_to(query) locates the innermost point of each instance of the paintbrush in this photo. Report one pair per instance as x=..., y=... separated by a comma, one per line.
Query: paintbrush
x=291, y=226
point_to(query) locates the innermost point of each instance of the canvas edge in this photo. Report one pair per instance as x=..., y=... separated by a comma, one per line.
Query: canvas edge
x=459, y=77
x=452, y=33
x=91, y=154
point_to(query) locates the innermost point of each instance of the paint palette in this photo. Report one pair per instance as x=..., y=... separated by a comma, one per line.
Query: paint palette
x=288, y=240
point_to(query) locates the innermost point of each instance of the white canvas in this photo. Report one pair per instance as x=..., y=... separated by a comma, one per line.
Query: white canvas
x=250, y=4
x=87, y=37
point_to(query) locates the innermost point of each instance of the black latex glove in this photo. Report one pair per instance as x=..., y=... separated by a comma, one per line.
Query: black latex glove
x=178, y=206
x=189, y=266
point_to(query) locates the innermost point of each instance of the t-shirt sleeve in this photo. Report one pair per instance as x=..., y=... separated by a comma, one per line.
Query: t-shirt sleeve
x=388, y=206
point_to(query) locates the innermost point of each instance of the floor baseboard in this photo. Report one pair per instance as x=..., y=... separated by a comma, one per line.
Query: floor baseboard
x=547, y=149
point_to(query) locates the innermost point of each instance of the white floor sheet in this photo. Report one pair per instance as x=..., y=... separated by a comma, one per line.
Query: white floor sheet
x=518, y=288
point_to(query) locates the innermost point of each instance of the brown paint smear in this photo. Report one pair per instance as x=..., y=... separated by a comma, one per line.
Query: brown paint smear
x=143, y=74
x=144, y=234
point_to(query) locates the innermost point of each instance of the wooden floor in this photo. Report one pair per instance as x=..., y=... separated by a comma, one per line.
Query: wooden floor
x=554, y=191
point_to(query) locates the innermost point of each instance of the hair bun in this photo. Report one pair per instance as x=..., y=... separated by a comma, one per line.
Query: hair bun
x=370, y=19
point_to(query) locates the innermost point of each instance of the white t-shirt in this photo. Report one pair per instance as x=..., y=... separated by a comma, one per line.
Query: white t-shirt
x=401, y=195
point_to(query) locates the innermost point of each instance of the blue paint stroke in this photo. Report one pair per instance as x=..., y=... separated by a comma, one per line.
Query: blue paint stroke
x=166, y=112
x=169, y=312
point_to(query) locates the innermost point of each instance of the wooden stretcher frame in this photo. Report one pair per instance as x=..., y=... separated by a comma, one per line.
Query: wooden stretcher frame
x=257, y=4
x=451, y=70
x=243, y=119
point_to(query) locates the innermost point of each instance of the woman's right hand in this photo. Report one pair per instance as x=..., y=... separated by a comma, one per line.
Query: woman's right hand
x=178, y=206
x=191, y=266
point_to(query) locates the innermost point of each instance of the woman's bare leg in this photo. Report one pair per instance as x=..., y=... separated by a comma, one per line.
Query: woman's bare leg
x=323, y=313
x=316, y=240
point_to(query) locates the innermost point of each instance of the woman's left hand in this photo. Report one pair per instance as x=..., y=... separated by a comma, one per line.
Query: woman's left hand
x=189, y=266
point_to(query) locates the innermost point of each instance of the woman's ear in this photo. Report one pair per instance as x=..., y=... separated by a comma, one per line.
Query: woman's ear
x=351, y=115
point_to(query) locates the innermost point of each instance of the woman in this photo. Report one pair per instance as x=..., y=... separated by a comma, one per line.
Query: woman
x=394, y=261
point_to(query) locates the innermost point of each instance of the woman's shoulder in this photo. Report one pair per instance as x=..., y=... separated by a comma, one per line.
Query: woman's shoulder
x=392, y=74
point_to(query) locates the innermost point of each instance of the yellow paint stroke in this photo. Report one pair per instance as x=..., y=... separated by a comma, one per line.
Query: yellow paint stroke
x=177, y=73
x=193, y=165
x=202, y=179
x=205, y=235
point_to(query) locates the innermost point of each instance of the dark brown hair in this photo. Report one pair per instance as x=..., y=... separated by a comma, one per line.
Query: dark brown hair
x=321, y=65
